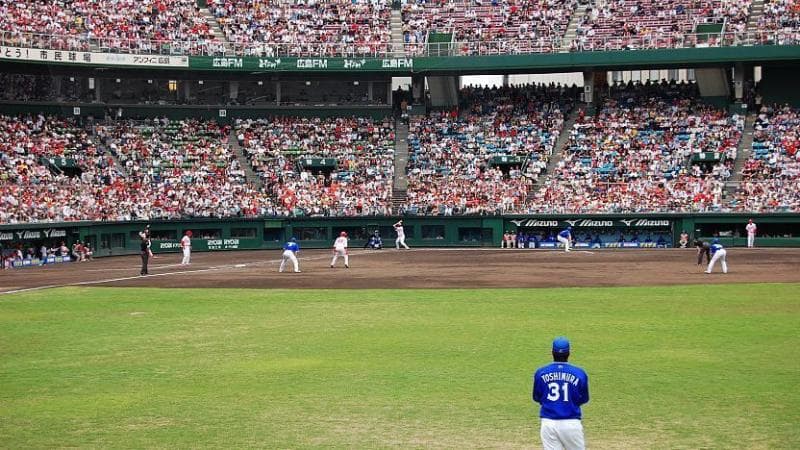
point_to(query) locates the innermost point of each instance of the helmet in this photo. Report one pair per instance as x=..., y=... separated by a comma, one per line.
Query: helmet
x=715, y=241
x=343, y=234
x=569, y=228
x=293, y=239
x=189, y=233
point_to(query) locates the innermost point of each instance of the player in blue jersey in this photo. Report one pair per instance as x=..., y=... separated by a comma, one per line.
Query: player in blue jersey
x=565, y=237
x=561, y=389
x=290, y=250
x=718, y=253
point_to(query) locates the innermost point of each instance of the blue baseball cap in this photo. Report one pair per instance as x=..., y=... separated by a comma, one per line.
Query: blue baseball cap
x=293, y=239
x=561, y=345
x=715, y=241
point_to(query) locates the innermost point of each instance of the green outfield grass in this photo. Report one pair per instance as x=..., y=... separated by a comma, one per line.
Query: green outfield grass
x=670, y=367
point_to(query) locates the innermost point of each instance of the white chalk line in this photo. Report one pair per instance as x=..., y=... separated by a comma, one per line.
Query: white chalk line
x=180, y=272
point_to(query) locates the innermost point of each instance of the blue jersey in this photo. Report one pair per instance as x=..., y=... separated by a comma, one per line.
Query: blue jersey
x=291, y=246
x=715, y=248
x=561, y=388
x=565, y=233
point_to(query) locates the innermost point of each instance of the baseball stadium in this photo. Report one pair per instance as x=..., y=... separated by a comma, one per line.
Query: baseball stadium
x=446, y=224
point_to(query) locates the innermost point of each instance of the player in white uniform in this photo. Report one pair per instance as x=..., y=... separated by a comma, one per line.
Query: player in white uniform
x=401, y=235
x=751, y=233
x=718, y=253
x=186, y=246
x=340, y=249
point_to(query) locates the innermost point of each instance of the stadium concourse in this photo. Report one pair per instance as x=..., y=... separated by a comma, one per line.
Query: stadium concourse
x=416, y=268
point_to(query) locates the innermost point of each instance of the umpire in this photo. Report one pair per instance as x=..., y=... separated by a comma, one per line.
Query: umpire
x=702, y=249
x=144, y=248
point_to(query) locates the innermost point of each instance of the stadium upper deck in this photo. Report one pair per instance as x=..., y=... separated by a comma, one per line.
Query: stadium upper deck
x=358, y=28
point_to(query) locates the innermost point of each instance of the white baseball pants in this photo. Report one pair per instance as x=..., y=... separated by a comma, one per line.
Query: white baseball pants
x=187, y=255
x=562, y=434
x=401, y=240
x=289, y=255
x=722, y=257
x=751, y=240
x=564, y=241
x=343, y=253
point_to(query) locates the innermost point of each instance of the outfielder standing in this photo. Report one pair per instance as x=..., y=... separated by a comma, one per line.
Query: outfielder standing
x=565, y=237
x=401, y=235
x=751, y=233
x=290, y=250
x=718, y=253
x=340, y=249
x=186, y=246
x=561, y=389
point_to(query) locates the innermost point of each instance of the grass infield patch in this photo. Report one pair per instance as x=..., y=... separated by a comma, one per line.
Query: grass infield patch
x=670, y=367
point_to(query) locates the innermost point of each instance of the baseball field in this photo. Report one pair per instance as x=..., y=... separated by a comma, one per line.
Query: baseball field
x=673, y=366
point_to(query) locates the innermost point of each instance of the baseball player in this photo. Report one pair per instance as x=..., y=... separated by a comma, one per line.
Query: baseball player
x=565, y=237
x=401, y=235
x=703, y=249
x=751, y=233
x=375, y=242
x=561, y=389
x=718, y=253
x=506, y=238
x=290, y=250
x=186, y=246
x=340, y=249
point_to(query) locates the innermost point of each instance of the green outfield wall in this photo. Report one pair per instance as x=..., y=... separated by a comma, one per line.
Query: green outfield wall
x=775, y=230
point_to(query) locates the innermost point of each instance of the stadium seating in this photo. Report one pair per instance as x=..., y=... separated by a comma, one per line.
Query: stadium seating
x=456, y=163
x=636, y=24
x=636, y=154
x=323, y=167
x=330, y=28
x=771, y=176
x=151, y=26
x=489, y=27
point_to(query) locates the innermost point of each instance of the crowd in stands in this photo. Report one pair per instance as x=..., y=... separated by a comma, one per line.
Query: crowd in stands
x=172, y=26
x=510, y=26
x=355, y=178
x=306, y=28
x=181, y=169
x=456, y=158
x=779, y=22
x=771, y=176
x=637, y=24
x=636, y=155
x=363, y=27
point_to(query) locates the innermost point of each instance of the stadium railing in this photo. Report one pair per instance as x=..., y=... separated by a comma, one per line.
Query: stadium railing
x=387, y=50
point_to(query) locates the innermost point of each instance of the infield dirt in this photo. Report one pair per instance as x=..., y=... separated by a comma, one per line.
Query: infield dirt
x=418, y=268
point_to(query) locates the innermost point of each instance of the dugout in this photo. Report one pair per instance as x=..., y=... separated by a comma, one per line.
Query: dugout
x=595, y=232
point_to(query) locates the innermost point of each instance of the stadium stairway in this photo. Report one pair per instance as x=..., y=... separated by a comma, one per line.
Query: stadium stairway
x=400, y=182
x=572, y=28
x=250, y=175
x=560, y=147
x=213, y=24
x=756, y=10
x=106, y=151
x=742, y=154
x=397, y=34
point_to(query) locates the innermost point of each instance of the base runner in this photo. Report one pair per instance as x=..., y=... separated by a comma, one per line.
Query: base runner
x=340, y=249
x=290, y=250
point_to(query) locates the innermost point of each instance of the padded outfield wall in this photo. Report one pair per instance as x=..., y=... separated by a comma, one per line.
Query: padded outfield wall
x=108, y=239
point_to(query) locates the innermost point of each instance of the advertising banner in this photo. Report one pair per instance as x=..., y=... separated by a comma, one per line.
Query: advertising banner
x=294, y=64
x=93, y=58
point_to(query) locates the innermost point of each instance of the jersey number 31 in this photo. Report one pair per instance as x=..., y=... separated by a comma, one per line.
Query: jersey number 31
x=555, y=392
